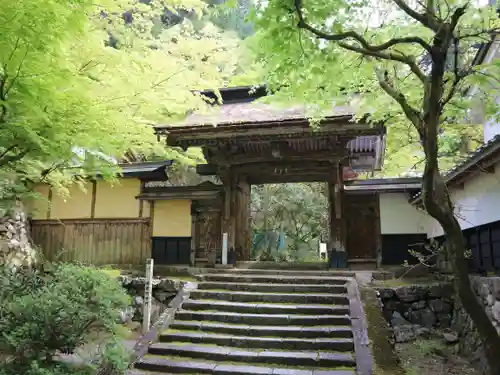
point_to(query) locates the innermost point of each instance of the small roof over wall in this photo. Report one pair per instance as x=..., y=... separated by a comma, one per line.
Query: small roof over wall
x=204, y=191
x=384, y=185
x=146, y=170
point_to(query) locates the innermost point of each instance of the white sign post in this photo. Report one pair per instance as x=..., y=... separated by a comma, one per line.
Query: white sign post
x=224, y=248
x=148, y=296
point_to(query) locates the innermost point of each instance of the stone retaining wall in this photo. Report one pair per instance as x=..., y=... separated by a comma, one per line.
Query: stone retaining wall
x=487, y=290
x=415, y=310
x=16, y=249
x=164, y=290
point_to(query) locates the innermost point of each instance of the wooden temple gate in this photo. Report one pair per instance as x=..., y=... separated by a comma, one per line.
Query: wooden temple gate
x=280, y=151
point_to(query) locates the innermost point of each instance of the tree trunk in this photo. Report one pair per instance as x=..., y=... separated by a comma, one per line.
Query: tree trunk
x=438, y=204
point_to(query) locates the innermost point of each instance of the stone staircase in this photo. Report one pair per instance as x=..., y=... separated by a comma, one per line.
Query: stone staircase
x=259, y=322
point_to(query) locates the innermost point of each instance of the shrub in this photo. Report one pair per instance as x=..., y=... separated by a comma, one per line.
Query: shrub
x=114, y=359
x=35, y=368
x=43, y=314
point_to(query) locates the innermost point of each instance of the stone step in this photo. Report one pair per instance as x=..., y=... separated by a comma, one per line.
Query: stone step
x=264, y=308
x=272, y=279
x=231, y=354
x=283, y=272
x=276, y=288
x=193, y=366
x=266, y=331
x=330, y=344
x=324, y=298
x=267, y=319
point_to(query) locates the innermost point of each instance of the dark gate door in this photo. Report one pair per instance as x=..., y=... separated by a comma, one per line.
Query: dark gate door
x=362, y=226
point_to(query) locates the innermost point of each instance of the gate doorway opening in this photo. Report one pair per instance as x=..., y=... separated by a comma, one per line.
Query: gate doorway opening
x=288, y=222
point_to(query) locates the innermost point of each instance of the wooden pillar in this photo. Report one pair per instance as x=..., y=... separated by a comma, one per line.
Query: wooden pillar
x=336, y=203
x=194, y=234
x=378, y=231
x=242, y=227
x=229, y=207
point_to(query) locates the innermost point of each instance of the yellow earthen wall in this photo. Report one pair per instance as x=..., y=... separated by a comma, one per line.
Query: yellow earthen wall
x=75, y=205
x=172, y=218
x=118, y=200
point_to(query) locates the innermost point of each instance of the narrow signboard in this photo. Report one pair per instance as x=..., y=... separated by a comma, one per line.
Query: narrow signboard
x=224, y=248
x=148, y=296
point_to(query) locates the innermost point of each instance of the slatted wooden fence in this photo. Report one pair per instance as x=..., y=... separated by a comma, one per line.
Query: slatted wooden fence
x=94, y=241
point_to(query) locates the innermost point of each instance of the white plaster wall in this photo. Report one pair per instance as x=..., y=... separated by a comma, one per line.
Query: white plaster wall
x=397, y=216
x=491, y=128
x=476, y=204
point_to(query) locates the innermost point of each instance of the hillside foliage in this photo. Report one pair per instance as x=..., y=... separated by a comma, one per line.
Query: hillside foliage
x=83, y=85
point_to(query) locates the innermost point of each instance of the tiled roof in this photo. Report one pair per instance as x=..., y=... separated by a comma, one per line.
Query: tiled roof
x=253, y=112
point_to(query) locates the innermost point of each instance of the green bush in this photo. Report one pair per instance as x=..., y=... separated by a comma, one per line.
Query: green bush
x=42, y=314
x=35, y=368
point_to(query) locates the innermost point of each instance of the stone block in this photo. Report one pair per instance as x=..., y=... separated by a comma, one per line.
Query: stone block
x=410, y=293
x=444, y=320
x=404, y=333
x=495, y=310
x=393, y=305
x=386, y=293
x=428, y=318
x=440, y=290
x=418, y=305
x=424, y=317
x=398, y=320
x=439, y=306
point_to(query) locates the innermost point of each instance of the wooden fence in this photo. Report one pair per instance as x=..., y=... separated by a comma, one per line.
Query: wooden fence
x=94, y=241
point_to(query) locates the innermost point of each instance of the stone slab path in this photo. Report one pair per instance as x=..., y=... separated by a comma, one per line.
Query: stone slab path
x=261, y=322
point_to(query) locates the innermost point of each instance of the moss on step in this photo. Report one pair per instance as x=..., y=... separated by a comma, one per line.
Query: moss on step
x=386, y=361
x=394, y=283
x=240, y=363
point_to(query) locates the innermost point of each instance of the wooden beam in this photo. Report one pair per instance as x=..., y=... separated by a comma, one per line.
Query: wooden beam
x=151, y=218
x=242, y=215
x=378, y=234
x=335, y=198
x=202, y=135
x=207, y=169
x=490, y=169
x=278, y=156
x=194, y=233
x=198, y=195
x=49, y=203
x=141, y=202
x=270, y=179
x=94, y=197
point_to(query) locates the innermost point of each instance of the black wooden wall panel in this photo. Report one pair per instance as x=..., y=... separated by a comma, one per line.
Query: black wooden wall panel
x=395, y=247
x=171, y=250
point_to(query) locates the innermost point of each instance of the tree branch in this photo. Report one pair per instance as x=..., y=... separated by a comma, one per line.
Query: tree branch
x=13, y=158
x=7, y=150
x=458, y=76
x=427, y=19
x=18, y=71
x=457, y=14
x=3, y=96
x=354, y=35
x=389, y=56
x=364, y=48
x=410, y=112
